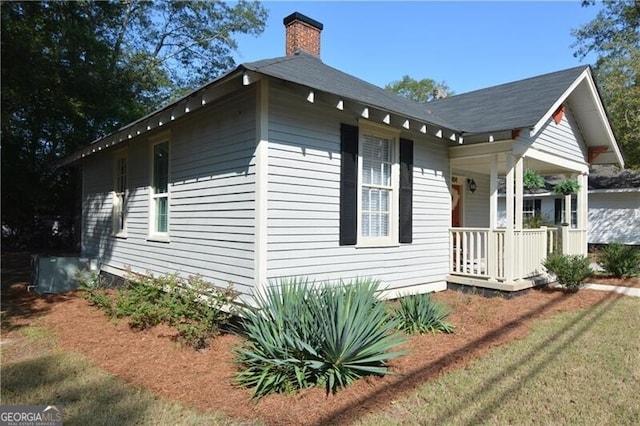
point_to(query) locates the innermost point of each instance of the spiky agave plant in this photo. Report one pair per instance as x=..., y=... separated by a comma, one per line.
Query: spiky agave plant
x=302, y=334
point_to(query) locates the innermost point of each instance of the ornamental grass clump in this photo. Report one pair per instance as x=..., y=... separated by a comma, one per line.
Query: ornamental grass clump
x=419, y=314
x=302, y=334
x=570, y=270
x=620, y=260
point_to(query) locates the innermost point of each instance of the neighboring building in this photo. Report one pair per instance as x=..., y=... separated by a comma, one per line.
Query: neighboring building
x=288, y=167
x=613, y=206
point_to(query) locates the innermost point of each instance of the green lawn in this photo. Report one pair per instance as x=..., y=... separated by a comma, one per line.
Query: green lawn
x=35, y=371
x=579, y=368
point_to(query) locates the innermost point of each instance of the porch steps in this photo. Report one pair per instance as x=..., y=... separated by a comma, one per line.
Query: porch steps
x=492, y=288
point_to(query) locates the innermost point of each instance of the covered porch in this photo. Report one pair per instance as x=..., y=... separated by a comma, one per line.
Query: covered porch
x=494, y=248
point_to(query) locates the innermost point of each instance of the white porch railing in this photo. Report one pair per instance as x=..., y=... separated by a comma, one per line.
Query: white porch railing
x=485, y=253
x=575, y=241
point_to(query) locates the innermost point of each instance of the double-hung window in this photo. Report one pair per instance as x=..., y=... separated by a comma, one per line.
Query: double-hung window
x=159, y=208
x=120, y=195
x=378, y=186
x=531, y=209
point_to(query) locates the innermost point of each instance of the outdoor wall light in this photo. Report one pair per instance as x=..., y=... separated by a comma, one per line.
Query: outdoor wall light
x=471, y=184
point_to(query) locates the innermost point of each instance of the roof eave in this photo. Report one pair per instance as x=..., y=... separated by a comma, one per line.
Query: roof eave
x=154, y=120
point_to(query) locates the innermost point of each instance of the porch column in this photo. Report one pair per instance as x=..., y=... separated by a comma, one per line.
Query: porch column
x=582, y=207
x=493, y=257
x=566, y=226
x=509, y=256
x=518, y=241
x=519, y=194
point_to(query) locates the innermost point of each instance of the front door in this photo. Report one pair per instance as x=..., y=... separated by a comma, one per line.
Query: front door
x=456, y=205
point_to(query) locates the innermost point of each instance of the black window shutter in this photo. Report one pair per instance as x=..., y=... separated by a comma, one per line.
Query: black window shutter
x=537, y=206
x=348, y=185
x=406, y=191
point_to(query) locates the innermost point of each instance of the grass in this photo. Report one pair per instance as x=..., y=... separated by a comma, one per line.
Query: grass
x=575, y=368
x=35, y=370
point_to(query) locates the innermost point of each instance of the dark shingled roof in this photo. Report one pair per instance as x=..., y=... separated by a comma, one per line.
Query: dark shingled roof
x=310, y=71
x=600, y=177
x=516, y=105
x=611, y=177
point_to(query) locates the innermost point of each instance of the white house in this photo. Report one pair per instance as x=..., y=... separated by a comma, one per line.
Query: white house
x=288, y=167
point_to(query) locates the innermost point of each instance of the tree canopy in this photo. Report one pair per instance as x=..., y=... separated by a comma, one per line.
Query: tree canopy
x=420, y=91
x=75, y=71
x=614, y=35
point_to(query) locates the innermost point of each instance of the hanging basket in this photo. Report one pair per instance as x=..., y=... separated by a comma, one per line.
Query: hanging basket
x=567, y=187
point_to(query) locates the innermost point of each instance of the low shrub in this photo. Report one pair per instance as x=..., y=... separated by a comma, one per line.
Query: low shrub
x=194, y=307
x=300, y=334
x=419, y=314
x=94, y=291
x=570, y=270
x=620, y=260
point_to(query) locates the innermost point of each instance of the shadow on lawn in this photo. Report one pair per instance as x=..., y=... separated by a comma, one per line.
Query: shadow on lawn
x=414, y=379
x=52, y=379
x=18, y=305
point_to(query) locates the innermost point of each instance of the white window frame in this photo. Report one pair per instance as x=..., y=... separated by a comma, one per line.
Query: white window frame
x=374, y=129
x=155, y=235
x=120, y=193
x=526, y=213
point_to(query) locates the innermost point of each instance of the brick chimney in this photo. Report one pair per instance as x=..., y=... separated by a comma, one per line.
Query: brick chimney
x=303, y=33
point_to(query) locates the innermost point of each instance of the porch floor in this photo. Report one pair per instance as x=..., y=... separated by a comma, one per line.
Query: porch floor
x=505, y=286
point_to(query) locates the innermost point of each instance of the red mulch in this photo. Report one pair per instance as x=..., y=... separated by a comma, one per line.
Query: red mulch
x=204, y=380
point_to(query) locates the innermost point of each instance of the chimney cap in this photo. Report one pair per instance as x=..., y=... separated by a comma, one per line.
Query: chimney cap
x=300, y=17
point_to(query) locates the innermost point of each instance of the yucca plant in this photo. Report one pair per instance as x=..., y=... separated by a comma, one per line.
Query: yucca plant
x=355, y=331
x=301, y=334
x=419, y=314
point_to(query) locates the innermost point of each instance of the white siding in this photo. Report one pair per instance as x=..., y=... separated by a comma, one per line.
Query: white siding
x=614, y=217
x=212, y=193
x=475, y=206
x=304, y=196
x=563, y=139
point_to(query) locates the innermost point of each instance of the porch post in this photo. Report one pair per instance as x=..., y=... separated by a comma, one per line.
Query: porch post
x=566, y=226
x=508, y=235
x=518, y=237
x=493, y=257
x=519, y=193
x=582, y=207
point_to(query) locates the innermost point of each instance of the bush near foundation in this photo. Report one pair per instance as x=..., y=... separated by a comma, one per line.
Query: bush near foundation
x=620, y=260
x=570, y=270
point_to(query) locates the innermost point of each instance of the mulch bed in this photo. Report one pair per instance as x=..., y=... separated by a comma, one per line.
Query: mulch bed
x=204, y=379
x=625, y=282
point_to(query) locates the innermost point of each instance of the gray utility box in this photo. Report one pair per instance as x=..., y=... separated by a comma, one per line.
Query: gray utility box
x=57, y=274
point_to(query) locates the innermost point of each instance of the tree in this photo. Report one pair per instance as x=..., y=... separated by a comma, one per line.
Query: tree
x=183, y=43
x=419, y=90
x=75, y=71
x=614, y=34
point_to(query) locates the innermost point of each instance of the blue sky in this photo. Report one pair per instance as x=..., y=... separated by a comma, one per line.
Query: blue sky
x=470, y=45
